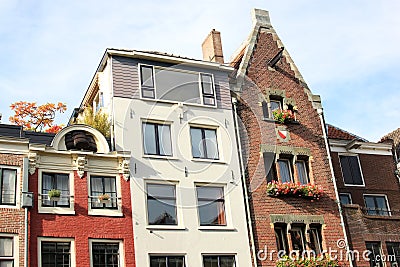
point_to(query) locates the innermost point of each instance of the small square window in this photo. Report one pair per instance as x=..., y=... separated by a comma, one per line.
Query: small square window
x=345, y=198
x=157, y=139
x=57, y=254
x=211, y=204
x=103, y=186
x=59, y=182
x=376, y=205
x=106, y=254
x=161, y=204
x=204, y=143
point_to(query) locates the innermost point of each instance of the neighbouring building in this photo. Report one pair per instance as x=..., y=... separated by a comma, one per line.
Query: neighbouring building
x=370, y=196
x=175, y=116
x=284, y=141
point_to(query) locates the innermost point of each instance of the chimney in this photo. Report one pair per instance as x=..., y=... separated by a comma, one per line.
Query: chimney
x=212, y=47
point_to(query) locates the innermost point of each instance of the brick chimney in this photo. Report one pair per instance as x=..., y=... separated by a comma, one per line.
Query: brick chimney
x=212, y=47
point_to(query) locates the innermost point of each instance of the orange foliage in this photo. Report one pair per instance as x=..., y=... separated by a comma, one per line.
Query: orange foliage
x=36, y=118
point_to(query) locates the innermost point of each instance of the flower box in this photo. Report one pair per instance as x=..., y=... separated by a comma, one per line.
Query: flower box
x=307, y=191
x=104, y=199
x=284, y=116
x=54, y=195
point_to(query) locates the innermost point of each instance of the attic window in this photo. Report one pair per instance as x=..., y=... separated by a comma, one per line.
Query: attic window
x=80, y=140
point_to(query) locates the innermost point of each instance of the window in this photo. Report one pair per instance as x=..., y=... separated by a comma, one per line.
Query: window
x=393, y=249
x=105, y=254
x=219, y=261
x=56, y=254
x=345, y=198
x=302, y=172
x=375, y=258
x=147, y=81
x=204, y=143
x=211, y=205
x=161, y=204
x=207, y=87
x=55, y=181
x=157, y=139
x=298, y=239
x=269, y=166
x=167, y=261
x=8, y=183
x=98, y=102
x=315, y=239
x=7, y=251
x=100, y=185
x=285, y=170
x=376, y=205
x=351, y=170
x=268, y=108
x=281, y=237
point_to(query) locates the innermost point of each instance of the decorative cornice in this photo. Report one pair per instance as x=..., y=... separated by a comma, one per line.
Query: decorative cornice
x=33, y=162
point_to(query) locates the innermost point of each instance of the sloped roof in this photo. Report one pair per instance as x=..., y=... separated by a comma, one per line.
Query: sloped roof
x=337, y=133
x=394, y=135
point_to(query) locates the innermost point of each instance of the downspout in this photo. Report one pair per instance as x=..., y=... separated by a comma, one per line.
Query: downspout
x=328, y=151
x=244, y=187
x=26, y=223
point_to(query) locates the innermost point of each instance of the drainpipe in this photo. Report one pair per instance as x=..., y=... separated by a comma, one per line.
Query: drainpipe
x=26, y=223
x=328, y=151
x=244, y=187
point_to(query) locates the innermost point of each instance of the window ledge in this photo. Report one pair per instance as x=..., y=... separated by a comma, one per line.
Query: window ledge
x=165, y=227
x=11, y=206
x=209, y=160
x=217, y=228
x=65, y=211
x=105, y=212
x=176, y=102
x=354, y=185
x=159, y=157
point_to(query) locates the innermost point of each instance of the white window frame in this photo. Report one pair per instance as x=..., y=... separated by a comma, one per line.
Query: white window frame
x=290, y=166
x=218, y=137
x=306, y=168
x=16, y=255
x=17, y=187
x=168, y=255
x=219, y=255
x=106, y=212
x=378, y=195
x=359, y=165
x=56, y=210
x=349, y=195
x=177, y=70
x=170, y=123
x=228, y=221
x=56, y=239
x=121, y=249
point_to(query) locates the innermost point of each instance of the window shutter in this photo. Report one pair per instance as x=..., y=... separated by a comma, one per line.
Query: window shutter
x=269, y=160
x=265, y=110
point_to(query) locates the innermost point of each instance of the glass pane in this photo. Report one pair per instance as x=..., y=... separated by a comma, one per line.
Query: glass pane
x=158, y=261
x=147, y=76
x=227, y=261
x=6, y=263
x=6, y=247
x=63, y=186
x=207, y=84
x=211, y=144
x=375, y=256
x=176, y=261
x=164, y=137
x=149, y=138
x=105, y=254
x=148, y=93
x=161, y=211
x=208, y=192
x=297, y=240
x=210, y=261
x=281, y=239
x=370, y=205
x=161, y=191
x=47, y=185
x=212, y=213
x=209, y=101
x=315, y=240
x=284, y=170
x=197, y=143
x=355, y=170
x=275, y=105
x=111, y=190
x=381, y=206
x=345, y=199
x=302, y=172
x=177, y=86
x=8, y=186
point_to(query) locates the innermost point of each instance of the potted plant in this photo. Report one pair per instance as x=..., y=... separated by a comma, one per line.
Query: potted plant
x=105, y=198
x=284, y=116
x=54, y=194
x=308, y=191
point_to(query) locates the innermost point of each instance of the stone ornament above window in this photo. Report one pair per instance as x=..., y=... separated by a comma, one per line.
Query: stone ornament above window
x=124, y=168
x=33, y=162
x=289, y=150
x=79, y=163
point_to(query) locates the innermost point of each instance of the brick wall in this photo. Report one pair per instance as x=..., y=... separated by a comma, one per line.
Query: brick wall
x=12, y=219
x=308, y=133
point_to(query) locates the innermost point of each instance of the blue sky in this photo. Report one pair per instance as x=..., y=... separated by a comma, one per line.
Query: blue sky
x=347, y=51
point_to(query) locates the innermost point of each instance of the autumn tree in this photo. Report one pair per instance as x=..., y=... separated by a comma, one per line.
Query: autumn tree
x=37, y=118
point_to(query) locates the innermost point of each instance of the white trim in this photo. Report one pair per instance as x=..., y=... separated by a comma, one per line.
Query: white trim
x=121, y=249
x=159, y=122
x=18, y=188
x=213, y=86
x=172, y=254
x=378, y=195
x=218, y=137
x=56, y=210
x=56, y=239
x=105, y=212
x=16, y=251
x=359, y=165
x=341, y=146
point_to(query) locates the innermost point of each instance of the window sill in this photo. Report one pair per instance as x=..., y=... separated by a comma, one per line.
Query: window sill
x=105, y=212
x=177, y=102
x=217, y=228
x=159, y=157
x=209, y=160
x=56, y=210
x=165, y=227
x=11, y=206
x=354, y=185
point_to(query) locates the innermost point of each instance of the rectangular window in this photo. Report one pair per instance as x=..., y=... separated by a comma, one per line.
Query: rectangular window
x=281, y=237
x=376, y=205
x=147, y=81
x=351, y=170
x=219, y=261
x=375, y=258
x=6, y=252
x=157, y=139
x=316, y=239
x=161, y=204
x=103, y=186
x=269, y=166
x=8, y=183
x=56, y=254
x=393, y=249
x=55, y=181
x=211, y=205
x=298, y=239
x=302, y=172
x=167, y=261
x=207, y=87
x=285, y=170
x=204, y=143
x=345, y=198
x=105, y=254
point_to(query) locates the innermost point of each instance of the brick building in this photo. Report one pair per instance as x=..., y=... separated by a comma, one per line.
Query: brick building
x=269, y=88
x=370, y=196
